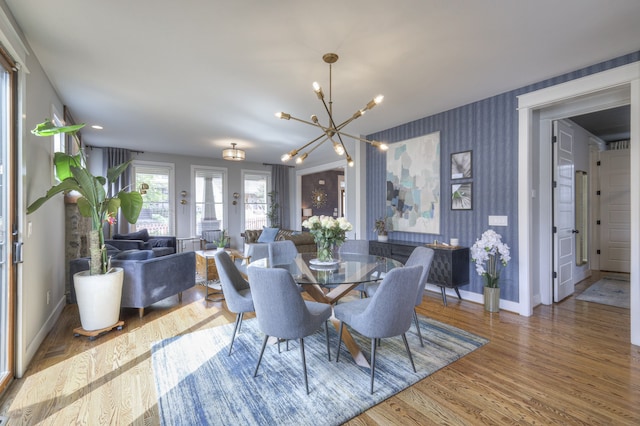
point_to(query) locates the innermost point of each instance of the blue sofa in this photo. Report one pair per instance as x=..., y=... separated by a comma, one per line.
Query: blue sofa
x=147, y=279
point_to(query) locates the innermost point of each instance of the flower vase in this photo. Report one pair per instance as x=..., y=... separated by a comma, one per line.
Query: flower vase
x=492, y=299
x=325, y=251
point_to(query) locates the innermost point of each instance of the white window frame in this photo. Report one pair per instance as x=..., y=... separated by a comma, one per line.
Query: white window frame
x=244, y=173
x=225, y=204
x=170, y=169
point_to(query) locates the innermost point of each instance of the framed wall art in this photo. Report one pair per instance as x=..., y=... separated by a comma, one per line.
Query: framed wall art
x=413, y=185
x=461, y=165
x=461, y=196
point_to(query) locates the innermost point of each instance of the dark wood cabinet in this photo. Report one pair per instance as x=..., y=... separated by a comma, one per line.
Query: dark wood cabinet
x=449, y=268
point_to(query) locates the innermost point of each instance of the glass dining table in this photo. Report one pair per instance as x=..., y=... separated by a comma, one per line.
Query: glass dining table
x=330, y=282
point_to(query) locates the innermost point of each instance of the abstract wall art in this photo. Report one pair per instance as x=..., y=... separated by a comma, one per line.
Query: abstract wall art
x=413, y=185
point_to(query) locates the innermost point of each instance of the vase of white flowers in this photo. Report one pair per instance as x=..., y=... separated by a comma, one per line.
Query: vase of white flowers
x=484, y=253
x=328, y=234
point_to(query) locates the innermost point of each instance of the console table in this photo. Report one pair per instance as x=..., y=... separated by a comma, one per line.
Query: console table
x=449, y=268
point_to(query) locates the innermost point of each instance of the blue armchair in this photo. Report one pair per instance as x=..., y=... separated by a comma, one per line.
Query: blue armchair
x=147, y=279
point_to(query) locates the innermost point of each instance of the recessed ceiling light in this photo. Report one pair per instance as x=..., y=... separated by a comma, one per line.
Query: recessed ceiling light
x=95, y=126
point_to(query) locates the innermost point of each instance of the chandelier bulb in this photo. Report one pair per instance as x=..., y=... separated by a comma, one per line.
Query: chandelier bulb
x=338, y=148
x=289, y=155
x=378, y=99
x=283, y=115
x=381, y=146
x=318, y=90
x=350, y=161
x=300, y=159
x=314, y=118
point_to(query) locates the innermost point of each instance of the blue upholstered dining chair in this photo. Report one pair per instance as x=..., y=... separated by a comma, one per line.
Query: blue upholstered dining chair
x=420, y=256
x=235, y=288
x=282, y=252
x=356, y=247
x=386, y=314
x=282, y=313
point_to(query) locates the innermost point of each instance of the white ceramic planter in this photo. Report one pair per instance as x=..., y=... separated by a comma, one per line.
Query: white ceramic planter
x=99, y=298
x=383, y=238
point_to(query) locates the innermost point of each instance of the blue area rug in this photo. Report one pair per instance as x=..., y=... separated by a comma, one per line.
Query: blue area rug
x=198, y=384
x=611, y=290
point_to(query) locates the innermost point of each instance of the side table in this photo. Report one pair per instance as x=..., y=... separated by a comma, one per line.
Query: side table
x=206, y=268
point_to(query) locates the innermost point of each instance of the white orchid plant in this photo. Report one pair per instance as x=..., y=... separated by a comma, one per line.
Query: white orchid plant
x=485, y=251
x=327, y=232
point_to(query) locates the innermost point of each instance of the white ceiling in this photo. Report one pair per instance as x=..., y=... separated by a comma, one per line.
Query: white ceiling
x=190, y=77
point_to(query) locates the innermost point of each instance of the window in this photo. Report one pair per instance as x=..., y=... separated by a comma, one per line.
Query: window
x=155, y=183
x=209, y=188
x=256, y=199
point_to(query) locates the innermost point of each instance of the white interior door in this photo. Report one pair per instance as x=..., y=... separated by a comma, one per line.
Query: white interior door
x=615, y=211
x=563, y=211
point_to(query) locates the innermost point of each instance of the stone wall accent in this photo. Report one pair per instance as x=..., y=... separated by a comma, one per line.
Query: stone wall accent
x=77, y=230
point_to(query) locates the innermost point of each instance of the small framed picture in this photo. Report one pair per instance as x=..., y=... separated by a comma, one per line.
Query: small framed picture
x=461, y=165
x=461, y=196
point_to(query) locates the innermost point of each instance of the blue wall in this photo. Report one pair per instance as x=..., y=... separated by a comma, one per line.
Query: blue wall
x=490, y=129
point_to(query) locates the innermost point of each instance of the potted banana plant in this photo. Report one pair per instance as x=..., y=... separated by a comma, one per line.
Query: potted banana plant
x=97, y=310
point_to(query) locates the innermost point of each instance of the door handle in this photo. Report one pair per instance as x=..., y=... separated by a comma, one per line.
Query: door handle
x=17, y=252
x=575, y=231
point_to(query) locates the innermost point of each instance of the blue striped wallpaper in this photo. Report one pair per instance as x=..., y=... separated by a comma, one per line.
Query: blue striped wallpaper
x=490, y=129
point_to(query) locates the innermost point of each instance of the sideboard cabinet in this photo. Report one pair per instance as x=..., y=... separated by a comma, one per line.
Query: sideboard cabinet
x=449, y=268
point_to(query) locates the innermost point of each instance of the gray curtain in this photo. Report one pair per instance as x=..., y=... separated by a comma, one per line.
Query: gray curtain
x=280, y=184
x=114, y=157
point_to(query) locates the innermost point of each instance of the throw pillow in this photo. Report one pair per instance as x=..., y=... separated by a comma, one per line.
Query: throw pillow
x=159, y=242
x=142, y=234
x=268, y=235
x=134, y=255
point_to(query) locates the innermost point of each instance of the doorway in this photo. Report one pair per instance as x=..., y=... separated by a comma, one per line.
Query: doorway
x=536, y=110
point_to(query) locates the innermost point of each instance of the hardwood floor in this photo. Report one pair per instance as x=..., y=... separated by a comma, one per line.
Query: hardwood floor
x=570, y=363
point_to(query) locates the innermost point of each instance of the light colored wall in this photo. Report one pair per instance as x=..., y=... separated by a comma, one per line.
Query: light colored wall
x=43, y=268
x=182, y=164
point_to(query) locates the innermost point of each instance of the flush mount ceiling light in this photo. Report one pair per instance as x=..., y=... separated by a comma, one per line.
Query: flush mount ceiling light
x=233, y=153
x=331, y=130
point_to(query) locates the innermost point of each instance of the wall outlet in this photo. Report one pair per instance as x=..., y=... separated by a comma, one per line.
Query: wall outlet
x=498, y=220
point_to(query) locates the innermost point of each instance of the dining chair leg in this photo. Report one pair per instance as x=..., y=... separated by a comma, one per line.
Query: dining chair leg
x=304, y=365
x=326, y=331
x=235, y=330
x=264, y=345
x=339, y=341
x=373, y=361
x=406, y=346
x=415, y=319
x=444, y=296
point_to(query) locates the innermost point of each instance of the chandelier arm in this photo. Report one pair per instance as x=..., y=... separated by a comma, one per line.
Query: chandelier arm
x=331, y=122
x=326, y=131
x=312, y=149
x=311, y=142
x=358, y=138
x=308, y=122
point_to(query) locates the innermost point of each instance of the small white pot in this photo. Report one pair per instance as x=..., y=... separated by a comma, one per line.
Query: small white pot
x=383, y=238
x=99, y=298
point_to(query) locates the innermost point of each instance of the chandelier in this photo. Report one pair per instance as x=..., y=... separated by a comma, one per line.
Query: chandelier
x=233, y=153
x=331, y=130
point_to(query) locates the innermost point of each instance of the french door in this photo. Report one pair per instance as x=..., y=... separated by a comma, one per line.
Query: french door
x=8, y=228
